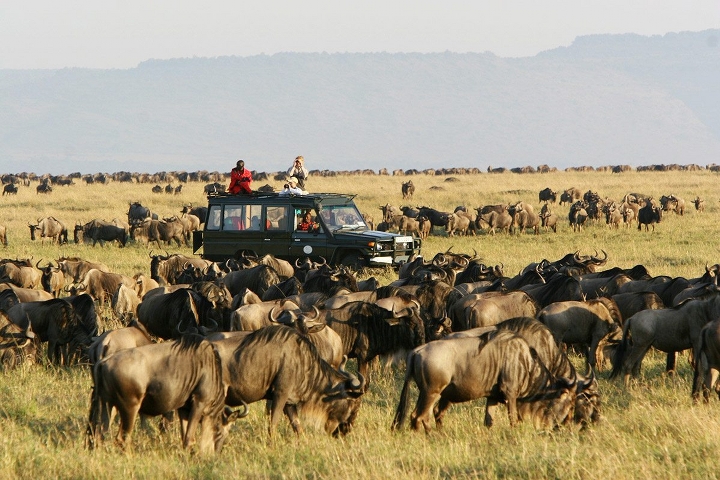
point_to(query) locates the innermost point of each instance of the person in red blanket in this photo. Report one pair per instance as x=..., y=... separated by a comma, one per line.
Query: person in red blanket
x=240, y=179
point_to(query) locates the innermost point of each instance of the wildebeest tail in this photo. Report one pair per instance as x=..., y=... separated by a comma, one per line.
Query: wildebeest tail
x=621, y=351
x=402, y=408
x=95, y=420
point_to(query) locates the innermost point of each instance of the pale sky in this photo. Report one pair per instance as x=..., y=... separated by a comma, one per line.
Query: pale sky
x=123, y=33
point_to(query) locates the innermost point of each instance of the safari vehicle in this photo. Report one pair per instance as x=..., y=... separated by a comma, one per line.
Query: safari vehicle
x=262, y=223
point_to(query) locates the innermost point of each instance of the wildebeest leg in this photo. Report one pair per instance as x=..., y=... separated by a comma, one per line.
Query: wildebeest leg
x=634, y=361
x=127, y=420
x=278, y=405
x=194, y=417
x=490, y=409
x=512, y=409
x=424, y=408
x=670, y=363
x=291, y=413
x=166, y=421
x=440, y=410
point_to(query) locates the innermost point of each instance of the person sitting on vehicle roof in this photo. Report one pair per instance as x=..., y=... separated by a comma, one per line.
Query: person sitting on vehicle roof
x=240, y=179
x=291, y=187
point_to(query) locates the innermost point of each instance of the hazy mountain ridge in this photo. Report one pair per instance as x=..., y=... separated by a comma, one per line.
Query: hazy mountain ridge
x=607, y=99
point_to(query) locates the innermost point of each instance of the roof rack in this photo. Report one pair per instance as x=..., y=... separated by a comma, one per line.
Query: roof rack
x=257, y=194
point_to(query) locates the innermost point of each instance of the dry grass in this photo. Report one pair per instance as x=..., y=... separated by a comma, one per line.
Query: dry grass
x=651, y=430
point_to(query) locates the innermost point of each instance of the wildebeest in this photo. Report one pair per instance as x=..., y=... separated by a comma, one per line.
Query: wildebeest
x=181, y=312
x=585, y=323
x=258, y=279
x=57, y=322
x=672, y=203
x=707, y=362
x=17, y=345
x=20, y=273
x=137, y=213
x=76, y=268
x=669, y=330
x=10, y=189
x=495, y=221
x=124, y=303
x=51, y=228
x=490, y=308
x=548, y=220
x=167, y=269
x=650, y=214
x=111, y=341
x=499, y=366
x=101, y=231
x=101, y=285
x=570, y=195
x=699, y=204
x=577, y=216
x=368, y=330
x=185, y=375
x=52, y=280
x=280, y=365
x=43, y=188
x=547, y=195
x=408, y=189
x=165, y=231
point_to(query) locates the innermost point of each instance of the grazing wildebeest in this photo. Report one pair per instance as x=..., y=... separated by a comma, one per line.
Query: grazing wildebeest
x=585, y=323
x=10, y=189
x=185, y=375
x=57, y=322
x=76, y=268
x=669, y=330
x=101, y=285
x=279, y=364
x=49, y=227
x=496, y=365
x=17, y=345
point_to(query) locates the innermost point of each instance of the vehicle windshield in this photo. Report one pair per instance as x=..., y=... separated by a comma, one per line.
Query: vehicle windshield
x=336, y=217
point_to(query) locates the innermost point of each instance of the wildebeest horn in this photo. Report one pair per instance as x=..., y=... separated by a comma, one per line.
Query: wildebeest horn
x=234, y=414
x=317, y=313
x=271, y=315
x=297, y=263
x=324, y=261
x=598, y=260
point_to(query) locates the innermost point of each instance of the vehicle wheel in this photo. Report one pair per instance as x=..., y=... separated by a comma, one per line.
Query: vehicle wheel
x=353, y=260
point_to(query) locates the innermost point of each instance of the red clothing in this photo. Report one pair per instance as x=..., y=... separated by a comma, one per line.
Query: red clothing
x=240, y=181
x=305, y=226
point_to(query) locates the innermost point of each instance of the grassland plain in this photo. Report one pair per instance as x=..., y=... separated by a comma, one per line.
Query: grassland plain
x=651, y=430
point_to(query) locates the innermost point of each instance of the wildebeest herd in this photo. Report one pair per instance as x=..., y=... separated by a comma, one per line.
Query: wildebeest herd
x=208, y=339
x=520, y=216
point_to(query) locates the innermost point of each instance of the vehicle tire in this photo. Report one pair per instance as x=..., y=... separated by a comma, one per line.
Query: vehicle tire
x=353, y=260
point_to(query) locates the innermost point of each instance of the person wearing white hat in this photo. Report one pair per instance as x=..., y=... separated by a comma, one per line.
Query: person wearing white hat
x=291, y=187
x=299, y=171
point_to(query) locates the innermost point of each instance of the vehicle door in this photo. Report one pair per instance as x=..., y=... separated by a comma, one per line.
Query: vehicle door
x=310, y=243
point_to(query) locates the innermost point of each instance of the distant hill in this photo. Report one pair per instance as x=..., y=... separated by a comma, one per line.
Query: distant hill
x=606, y=99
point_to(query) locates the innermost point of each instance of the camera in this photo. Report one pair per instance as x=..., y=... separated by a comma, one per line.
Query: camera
x=287, y=185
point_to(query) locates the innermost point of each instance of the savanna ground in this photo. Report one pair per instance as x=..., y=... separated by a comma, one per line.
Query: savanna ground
x=652, y=430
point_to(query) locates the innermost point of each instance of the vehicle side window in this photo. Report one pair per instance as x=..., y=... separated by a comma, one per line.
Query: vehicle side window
x=235, y=218
x=255, y=214
x=276, y=218
x=213, y=219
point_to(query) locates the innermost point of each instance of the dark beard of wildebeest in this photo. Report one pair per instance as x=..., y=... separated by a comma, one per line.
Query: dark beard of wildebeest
x=586, y=323
x=670, y=330
x=181, y=312
x=280, y=365
x=368, y=330
x=57, y=322
x=17, y=345
x=185, y=375
x=499, y=366
x=707, y=364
